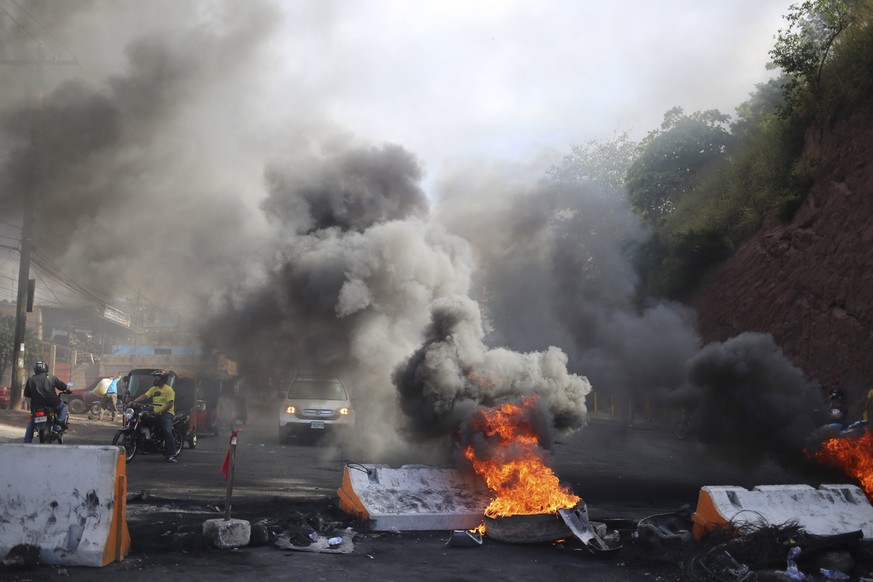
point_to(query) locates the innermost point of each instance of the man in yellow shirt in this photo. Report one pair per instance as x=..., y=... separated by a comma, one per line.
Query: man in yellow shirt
x=163, y=398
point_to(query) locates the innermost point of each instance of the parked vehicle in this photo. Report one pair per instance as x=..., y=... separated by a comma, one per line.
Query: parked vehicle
x=94, y=410
x=141, y=432
x=5, y=397
x=81, y=400
x=313, y=406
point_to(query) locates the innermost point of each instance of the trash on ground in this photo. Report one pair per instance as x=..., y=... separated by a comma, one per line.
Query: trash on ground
x=321, y=544
x=464, y=538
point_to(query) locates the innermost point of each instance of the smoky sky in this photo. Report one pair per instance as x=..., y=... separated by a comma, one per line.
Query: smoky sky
x=354, y=191
x=198, y=156
x=554, y=266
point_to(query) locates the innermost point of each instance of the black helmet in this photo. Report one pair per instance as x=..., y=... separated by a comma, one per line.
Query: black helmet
x=836, y=394
x=40, y=367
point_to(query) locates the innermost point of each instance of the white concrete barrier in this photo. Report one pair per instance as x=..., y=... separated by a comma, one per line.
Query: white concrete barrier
x=828, y=510
x=413, y=497
x=69, y=500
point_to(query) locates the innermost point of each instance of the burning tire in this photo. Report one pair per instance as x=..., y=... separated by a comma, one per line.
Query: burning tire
x=527, y=529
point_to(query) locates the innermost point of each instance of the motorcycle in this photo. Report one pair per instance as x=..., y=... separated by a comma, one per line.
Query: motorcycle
x=826, y=433
x=46, y=424
x=186, y=428
x=141, y=431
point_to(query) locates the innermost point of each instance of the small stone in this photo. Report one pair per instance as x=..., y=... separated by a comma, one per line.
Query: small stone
x=227, y=533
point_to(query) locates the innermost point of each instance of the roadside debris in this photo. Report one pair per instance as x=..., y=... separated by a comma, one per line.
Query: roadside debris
x=314, y=532
x=335, y=544
x=666, y=528
x=768, y=549
x=464, y=538
x=577, y=520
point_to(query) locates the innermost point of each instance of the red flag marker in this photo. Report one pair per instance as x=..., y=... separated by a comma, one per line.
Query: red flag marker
x=225, y=466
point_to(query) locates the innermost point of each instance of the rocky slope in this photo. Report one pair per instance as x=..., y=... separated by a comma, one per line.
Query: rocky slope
x=809, y=283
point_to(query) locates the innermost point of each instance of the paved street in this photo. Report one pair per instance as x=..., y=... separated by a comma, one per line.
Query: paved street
x=623, y=473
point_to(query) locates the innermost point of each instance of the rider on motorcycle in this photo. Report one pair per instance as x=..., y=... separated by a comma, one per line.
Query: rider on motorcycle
x=838, y=412
x=163, y=397
x=43, y=389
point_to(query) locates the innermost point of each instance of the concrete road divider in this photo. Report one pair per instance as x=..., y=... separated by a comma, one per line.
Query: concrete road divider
x=70, y=501
x=828, y=510
x=413, y=497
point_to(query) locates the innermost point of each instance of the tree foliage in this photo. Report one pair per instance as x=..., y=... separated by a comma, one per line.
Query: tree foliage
x=759, y=109
x=703, y=182
x=603, y=163
x=672, y=157
x=804, y=47
x=7, y=344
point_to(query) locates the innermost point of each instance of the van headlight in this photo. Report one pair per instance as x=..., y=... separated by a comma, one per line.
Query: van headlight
x=291, y=410
x=345, y=410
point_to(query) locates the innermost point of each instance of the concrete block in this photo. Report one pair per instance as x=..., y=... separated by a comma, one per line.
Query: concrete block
x=227, y=533
x=413, y=497
x=78, y=519
x=828, y=510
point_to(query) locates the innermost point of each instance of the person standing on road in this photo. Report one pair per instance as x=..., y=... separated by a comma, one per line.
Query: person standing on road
x=163, y=397
x=43, y=390
x=110, y=399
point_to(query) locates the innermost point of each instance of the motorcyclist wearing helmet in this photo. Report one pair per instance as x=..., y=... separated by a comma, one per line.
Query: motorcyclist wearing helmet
x=43, y=389
x=838, y=412
x=163, y=397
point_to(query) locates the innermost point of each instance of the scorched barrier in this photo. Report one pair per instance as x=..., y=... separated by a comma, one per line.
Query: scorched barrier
x=70, y=501
x=828, y=510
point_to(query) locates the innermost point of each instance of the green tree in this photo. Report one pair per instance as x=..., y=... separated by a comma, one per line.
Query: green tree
x=672, y=157
x=808, y=42
x=759, y=109
x=32, y=346
x=600, y=162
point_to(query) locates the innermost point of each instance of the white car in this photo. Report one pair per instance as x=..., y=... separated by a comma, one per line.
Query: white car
x=313, y=406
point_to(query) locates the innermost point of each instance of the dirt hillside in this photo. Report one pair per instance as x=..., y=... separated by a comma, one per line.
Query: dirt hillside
x=809, y=283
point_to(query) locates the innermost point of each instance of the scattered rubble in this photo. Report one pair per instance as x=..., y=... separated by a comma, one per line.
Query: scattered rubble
x=751, y=551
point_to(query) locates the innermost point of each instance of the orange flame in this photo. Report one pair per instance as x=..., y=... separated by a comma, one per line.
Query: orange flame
x=854, y=456
x=515, y=469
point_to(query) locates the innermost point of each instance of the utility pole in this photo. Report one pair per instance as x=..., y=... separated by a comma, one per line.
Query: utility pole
x=32, y=186
x=18, y=365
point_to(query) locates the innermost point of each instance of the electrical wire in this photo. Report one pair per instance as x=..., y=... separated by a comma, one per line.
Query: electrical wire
x=49, y=289
x=44, y=29
x=21, y=26
x=48, y=266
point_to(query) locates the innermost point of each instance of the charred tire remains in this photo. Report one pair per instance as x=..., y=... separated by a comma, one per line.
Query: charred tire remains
x=527, y=529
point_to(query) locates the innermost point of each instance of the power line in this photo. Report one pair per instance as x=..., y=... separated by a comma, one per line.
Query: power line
x=44, y=29
x=49, y=289
x=21, y=26
x=47, y=266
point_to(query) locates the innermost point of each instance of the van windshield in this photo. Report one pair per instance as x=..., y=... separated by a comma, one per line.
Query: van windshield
x=312, y=389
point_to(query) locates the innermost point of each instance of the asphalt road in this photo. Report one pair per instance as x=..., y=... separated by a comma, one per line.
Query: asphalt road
x=623, y=474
